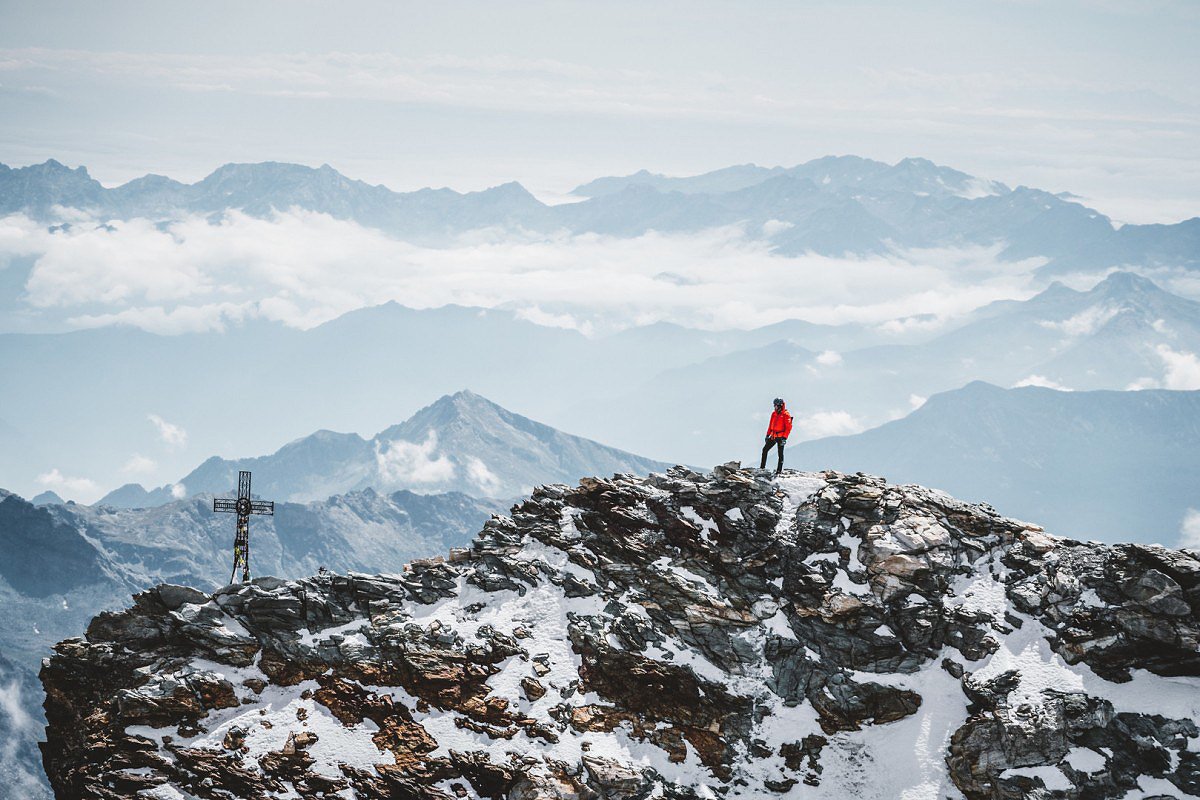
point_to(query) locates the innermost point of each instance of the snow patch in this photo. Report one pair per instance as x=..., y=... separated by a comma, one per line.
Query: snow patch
x=1085, y=759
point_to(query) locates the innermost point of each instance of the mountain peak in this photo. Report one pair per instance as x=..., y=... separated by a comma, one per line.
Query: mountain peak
x=664, y=636
x=467, y=396
x=508, y=189
x=973, y=392
x=916, y=162
x=54, y=166
x=47, y=498
x=461, y=442
x=1122, y=283
x=979, y=387
x=462, y=403
x=257, y=168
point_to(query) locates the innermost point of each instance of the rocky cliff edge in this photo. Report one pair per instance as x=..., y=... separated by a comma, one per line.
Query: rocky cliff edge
x=681, y=635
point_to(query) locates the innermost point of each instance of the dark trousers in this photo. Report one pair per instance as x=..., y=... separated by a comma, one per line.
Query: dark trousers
x=773, y=441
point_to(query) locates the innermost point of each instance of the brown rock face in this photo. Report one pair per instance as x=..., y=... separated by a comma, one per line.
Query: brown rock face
x=678, y=636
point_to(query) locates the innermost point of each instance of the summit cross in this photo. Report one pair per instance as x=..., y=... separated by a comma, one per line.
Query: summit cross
x=243, y=506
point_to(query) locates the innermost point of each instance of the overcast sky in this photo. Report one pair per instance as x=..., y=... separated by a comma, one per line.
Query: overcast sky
x=1097, y=97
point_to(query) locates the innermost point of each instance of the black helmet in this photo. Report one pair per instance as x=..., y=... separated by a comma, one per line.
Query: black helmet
x=778, y=401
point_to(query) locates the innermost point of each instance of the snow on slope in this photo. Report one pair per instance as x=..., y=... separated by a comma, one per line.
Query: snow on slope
x=666, y=637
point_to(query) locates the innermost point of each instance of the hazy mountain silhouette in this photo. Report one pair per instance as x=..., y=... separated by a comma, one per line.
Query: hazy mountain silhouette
x=463, y=442
x=835, y=205
x=1093, y=465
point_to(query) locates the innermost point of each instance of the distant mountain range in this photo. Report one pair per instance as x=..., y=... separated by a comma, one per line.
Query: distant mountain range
x=670, y=393
x=1123, y=332
x=835, y=205
x=1112, y=466
x=462, y=442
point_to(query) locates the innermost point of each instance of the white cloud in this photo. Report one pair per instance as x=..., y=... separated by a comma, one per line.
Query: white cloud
x=1181, y=370
x=82, y=489
x=1042, y=381
x=178, y=491
x=173, y=435
x=1189, y=530
x=10, y=704
x=919, y=323
x=400, y=462
x=139, y=464
x=915, y=401
x=182, y=319
x=479, y=474
x=484, y=82
x=303, y=268
x=93, y=263
x=19, y=782
x=774, y=226
x=827, y=423
x=539, y=317
x=1084, y=323
x=829, y=358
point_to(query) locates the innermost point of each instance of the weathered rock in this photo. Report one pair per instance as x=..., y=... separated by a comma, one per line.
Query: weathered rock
x=534, y=691
x=745, y=637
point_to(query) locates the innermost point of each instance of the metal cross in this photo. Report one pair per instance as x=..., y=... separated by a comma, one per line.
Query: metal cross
x=243, y=506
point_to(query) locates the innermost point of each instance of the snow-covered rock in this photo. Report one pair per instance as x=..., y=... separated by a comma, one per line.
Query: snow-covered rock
x=681, y=636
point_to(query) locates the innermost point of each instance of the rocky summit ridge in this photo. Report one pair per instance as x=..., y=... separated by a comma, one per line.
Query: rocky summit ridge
x=681, y=635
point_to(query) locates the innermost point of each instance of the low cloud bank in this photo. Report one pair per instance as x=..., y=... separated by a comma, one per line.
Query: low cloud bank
x=303, y=268
x=85, y=489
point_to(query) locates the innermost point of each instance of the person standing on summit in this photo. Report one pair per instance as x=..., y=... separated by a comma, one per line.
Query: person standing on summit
x=778, y=430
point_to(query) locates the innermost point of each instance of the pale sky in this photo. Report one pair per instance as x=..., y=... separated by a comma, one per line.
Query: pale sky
x=1097, y=97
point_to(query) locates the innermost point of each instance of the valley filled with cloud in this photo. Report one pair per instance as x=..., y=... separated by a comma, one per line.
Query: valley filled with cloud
x=303, y=268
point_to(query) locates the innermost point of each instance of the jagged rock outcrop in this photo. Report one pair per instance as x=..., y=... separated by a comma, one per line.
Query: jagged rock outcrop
x=681, y=636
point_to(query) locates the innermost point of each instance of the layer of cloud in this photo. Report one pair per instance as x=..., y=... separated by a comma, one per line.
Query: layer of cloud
x=482, y=477
x=13, y=708
x=21, y=729
x=139, y=464
x=1189, y=530
x=1043, y=382
x=1084, y=323
x=303, y=268
x=1181, y=370
x=172, y=435
x=402, y=463
x=827, y=423
x=512, y=83
x=83, y=490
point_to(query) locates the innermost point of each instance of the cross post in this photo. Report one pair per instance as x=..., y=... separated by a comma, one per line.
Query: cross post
x=243, y=506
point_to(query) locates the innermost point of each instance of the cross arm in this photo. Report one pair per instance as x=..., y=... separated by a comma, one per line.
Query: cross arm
x=224, y=504
x=262, y=507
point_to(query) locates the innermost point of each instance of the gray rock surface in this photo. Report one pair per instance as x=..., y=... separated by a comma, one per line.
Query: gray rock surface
x=823, y=635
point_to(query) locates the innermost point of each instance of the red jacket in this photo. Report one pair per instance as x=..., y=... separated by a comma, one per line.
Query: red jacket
x=781, y=424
